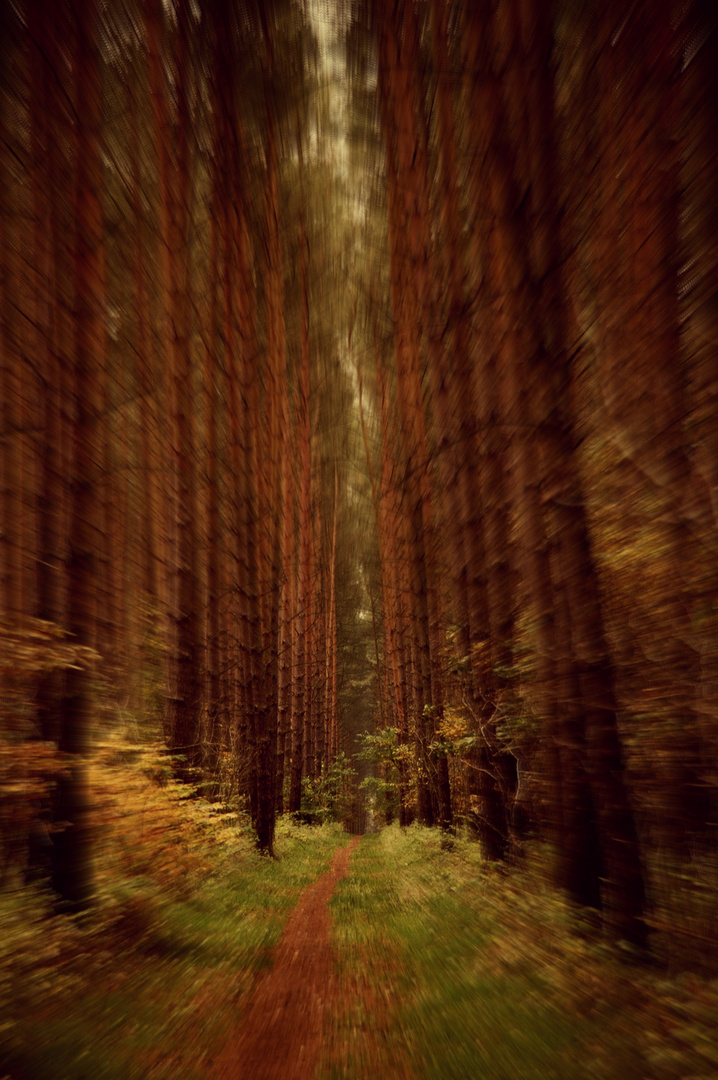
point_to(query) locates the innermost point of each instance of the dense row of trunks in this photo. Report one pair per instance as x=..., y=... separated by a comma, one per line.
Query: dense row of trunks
x=534, y=229
x=153, y=507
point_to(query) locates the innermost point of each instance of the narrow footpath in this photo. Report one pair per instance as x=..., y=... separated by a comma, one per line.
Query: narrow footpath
x=281, y=1032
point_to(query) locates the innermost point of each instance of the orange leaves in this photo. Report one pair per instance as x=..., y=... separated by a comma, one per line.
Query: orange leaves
x=39, y=646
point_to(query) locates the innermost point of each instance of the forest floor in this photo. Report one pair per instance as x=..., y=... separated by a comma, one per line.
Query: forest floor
x=398, y=956
x=283, y=1028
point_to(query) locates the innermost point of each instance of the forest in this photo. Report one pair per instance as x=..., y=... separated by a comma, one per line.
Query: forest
x=359, y=476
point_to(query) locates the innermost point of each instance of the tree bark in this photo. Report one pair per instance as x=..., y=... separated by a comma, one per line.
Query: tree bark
x=72, y=876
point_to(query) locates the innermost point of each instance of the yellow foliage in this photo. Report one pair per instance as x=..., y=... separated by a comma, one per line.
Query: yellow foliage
x=453, y=724
x=39, y=646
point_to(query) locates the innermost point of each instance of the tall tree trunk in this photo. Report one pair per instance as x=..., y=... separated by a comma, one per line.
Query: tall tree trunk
x=402, y=94
x=264, y=720
x=286, y=624
x=17, y=489
x=331, y=651
x=186, y=702
x=301, y=719
x=47, y=258
x=212, y=735
x=393, y=591
x=156, y=39
x=396, y=100
x=490, y=771
x=147, y=408
x=71, y=873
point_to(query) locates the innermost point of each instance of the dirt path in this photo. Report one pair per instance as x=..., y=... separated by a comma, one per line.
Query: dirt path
x=280, y=1035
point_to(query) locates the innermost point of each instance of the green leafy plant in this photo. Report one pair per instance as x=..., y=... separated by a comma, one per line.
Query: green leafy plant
x=329, y=797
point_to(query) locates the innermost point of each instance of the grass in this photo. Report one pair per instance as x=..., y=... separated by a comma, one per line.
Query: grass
x=150, y=982
x=446, y=969
x=461, y=973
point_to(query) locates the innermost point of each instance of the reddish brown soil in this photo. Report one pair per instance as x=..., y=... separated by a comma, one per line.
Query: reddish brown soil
x=281, y=1033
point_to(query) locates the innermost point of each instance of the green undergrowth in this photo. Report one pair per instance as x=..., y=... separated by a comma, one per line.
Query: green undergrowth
x=460, y=972
x=150, y=982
